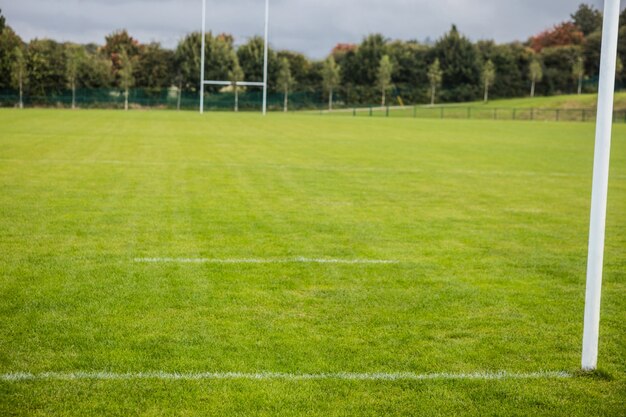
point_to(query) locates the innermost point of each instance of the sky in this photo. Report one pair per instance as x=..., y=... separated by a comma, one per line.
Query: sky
x=312, y=27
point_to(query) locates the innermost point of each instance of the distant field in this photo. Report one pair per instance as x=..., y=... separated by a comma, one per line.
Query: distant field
x=311, y=265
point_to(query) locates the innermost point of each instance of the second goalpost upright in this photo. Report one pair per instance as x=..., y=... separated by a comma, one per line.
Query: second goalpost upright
x=263, y=84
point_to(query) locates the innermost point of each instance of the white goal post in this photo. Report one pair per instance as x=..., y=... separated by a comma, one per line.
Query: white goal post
x=263, y=84
x=597, y=223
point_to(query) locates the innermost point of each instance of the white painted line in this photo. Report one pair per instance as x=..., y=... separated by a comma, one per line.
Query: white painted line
x=264, y=261
x=349, y=376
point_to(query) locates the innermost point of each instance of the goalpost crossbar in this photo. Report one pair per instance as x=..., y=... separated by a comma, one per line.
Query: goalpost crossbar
x=242, y=83
x=263, y=84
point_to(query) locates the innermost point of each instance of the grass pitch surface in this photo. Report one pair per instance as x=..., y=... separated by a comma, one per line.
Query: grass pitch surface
x=486, y=221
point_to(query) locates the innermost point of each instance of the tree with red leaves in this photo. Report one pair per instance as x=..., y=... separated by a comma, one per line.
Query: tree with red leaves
x=341, y=49
x=566, y=33
x=117, y=42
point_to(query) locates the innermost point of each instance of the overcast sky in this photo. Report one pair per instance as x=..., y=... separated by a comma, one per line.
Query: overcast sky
x=309, y=26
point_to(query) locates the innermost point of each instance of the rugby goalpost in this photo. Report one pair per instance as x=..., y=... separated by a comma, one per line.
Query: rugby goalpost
x=602, y=150
x=263, y=84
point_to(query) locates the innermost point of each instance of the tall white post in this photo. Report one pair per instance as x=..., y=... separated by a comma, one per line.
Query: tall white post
x=202, y=58
x=265, y=52
x=602, y=152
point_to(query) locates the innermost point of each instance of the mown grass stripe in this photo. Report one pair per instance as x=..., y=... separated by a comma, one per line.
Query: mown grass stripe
x=350, y=376
x=264, y=260
x=321, y=168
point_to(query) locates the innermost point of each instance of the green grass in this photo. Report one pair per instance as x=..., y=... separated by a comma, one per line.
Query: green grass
x=488, y=220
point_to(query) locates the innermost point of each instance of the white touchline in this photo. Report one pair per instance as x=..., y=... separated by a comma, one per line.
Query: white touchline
x=264, y=260
x=349, y=376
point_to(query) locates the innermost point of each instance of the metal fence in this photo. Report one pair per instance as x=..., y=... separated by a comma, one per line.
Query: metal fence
x=161, y=99
x=251, y=101
x=479, y=113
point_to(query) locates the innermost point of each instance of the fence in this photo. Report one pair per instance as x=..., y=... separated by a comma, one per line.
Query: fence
x=251, y=101
x=480, y=113
x=163, y=99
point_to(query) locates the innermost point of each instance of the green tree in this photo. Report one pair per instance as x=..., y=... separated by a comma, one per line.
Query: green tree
x=117, y=42
x=235, y=76
x=619, y=68
x=591, y=52
x=347, y=60
x=301, y=71
x=219, y=57
x=489, y=76
x=126, y=78
x=622, y=18
x=359, y=68
x=154, y=68
x=410, y=69
x=460, y=65
x=510, y=62
x=535, y=72
x=250, y=56
x=385, y=70
x=188, y=61
x=587, y=18
x=95, y=71
x=621, y=44
x=2, y=22
x=331, y=76
x=312, y=80
x=19, y=74
x=368, y=56
x=435, y=76
x=8, y=42
x=46, y=62
x=558, y=63
x=578, y=72
x=75, y=57
x=285, y=81
x=178, y=79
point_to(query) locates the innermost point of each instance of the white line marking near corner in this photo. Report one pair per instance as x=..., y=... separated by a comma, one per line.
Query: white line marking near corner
x=348, y=376
x=263, y=260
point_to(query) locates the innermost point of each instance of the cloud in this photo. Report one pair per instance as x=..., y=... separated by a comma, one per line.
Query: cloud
x=308, y=26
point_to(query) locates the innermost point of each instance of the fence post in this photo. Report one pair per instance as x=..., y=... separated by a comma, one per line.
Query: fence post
x=441, y=112
x=514, y=113
x=354, y=111
x=495, y=114
x=469, y=112
x=583, y=115
x=371, y=111
x=387, y=111
x=414, y=112
x=558, y=114
x=532, y=113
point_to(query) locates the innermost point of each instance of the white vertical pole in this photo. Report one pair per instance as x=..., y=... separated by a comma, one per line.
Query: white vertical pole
x=202, y=58
x=265, y=52
x=602, y=151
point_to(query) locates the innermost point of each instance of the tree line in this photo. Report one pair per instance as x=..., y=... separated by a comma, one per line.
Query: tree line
x=563, y=59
